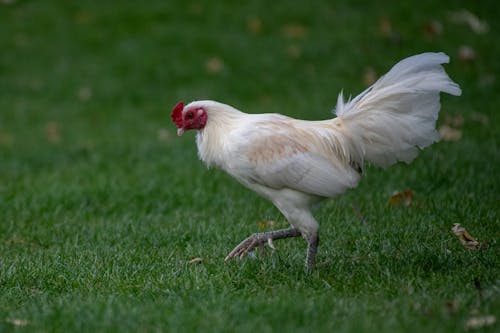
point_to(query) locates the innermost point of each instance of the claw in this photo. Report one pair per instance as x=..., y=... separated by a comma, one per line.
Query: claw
x=245, y=247
x=270, y=243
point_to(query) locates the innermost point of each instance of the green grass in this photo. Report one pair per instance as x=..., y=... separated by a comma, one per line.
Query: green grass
x=102, y=206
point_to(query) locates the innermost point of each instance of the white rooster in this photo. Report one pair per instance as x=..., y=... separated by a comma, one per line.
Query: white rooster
x=297, y=163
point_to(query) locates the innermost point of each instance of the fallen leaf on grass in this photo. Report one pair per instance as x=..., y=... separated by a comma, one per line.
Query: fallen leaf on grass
x=163, y=135
x=466, y=17
x=18, y=322
x=266, y=224
x=84, y=94
x=52, y=132
x=214, y=65
x=35, y=291
x=294, y=31
x=447, y=133
x=456, y=120
x=385, y=27
x=480, y=322
x=294, y=51
x=451, y=306
x=196, y=8
x=451, y=129
x=369, y=76
x=5, y=139
x=404, y=198
x=15, y=240
x=254, y=25
x=466, y=54
x=195, y=260
x=433, y=29
x=386, y=30
x=480, y=118
x=465, y=238
x=82, y=17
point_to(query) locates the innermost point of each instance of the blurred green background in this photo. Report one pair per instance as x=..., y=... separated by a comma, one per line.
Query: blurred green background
x=102, y=206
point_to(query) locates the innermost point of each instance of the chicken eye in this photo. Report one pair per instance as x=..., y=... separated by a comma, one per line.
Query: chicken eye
x=190, y=115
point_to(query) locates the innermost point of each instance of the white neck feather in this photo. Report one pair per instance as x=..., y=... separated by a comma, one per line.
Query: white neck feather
x=211, y=140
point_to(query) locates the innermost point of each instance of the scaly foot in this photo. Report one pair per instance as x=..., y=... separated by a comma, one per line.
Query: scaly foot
x=259, y=240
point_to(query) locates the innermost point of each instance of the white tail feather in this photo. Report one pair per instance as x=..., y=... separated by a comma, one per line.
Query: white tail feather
x=389, y=121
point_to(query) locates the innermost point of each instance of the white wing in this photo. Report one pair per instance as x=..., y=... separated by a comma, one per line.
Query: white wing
x=277, y=155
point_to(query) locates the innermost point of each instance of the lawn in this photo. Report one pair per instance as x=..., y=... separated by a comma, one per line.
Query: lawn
x=102, y=207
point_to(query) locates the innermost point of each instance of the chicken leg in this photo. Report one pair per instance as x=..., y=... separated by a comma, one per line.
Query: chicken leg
x=259, y=239
x=312, y=249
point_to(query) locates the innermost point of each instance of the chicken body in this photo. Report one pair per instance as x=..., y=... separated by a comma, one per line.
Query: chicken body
x=296, y=163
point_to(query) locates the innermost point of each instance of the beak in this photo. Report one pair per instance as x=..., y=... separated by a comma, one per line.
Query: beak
x=180, y=131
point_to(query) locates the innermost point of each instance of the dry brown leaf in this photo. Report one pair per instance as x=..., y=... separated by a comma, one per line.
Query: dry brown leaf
x=214, y=65
x=385, y=27
x=480, y=322
x=196, y=8
x=84, y=94
x=480, y=118
x=404, y=198
x=466, y=53
x=35, y=291
x=433, y=29
x=386, y=30
x=266, y=224
x=447, y=133
x=294, y=31
x=451, y=306
x=294, y=51
x=5, y=139
x=52, y=132
x=475, y=24
x=82, y=17
x=450, y=130
x=163, y=135
x=265, y=99
x=369, y=76
x=456, y=120
x=254, y=25
x=18, y=322
x=15, y=240
x=465, y=238
x=196, y=260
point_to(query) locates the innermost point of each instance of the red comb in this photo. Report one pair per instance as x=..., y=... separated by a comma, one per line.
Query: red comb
x=177, y=114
